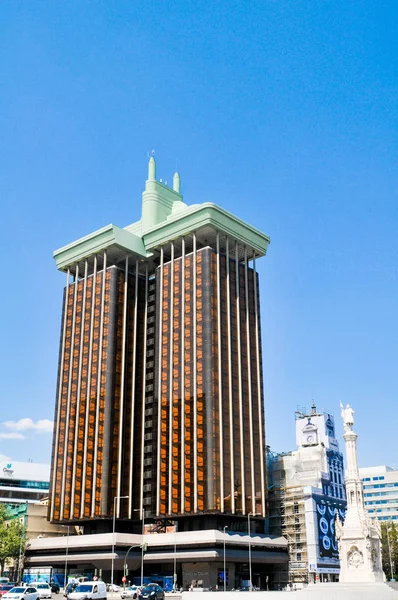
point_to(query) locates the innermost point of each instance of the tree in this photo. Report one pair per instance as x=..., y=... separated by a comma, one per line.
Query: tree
x=11, y=534
x=392, y=537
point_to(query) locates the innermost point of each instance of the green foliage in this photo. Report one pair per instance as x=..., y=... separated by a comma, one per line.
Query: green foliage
x=11, y=533
x=389, y=551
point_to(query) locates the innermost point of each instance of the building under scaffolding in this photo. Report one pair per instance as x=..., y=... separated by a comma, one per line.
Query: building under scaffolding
x=306, y=488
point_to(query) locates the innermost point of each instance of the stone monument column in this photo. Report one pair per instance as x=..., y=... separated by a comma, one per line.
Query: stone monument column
x=359, y=538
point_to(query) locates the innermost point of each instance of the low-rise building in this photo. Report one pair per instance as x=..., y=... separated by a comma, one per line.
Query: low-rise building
x=33, y=517
x=306, y=488
x=380, y=491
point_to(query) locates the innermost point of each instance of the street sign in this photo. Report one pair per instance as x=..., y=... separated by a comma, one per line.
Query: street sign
x=124, y=579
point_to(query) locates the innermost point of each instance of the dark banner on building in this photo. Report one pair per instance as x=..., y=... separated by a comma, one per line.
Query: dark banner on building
x=326, y=509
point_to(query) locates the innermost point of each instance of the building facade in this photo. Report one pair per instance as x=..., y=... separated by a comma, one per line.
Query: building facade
x=380, y=491
x=306, y=490
x=33, y=518
x=22, y=482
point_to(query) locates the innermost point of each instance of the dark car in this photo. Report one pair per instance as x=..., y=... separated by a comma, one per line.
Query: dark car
x=151, y=591
x=6, y=587
x=55, y=587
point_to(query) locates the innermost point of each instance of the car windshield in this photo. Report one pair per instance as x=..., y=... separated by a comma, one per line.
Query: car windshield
x=43, y=585
x=84, y=588
x=17, y=591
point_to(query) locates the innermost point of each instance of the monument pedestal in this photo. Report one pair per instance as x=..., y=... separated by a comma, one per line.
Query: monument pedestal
x=360, y=558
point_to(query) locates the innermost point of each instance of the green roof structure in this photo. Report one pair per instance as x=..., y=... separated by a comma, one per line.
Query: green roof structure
x=165, y=218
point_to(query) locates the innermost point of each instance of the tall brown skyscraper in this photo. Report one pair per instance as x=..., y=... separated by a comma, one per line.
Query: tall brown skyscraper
x=160, y=394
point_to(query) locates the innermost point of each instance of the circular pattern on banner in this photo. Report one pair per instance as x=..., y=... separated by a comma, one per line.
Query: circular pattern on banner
x=324, y=525
x=321, y=508
x=326, y=543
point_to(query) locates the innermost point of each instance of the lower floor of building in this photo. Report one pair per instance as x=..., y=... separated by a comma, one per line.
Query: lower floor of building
x=208, y=559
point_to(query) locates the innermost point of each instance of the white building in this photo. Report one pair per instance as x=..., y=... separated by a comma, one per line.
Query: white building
x=23, y=481
x=380, y=490
x=306, y=490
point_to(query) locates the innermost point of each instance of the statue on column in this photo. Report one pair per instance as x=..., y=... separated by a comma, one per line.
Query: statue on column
x=347, y=414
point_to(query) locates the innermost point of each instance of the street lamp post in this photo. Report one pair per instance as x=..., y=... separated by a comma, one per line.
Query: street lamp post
x=66, y=559
x=250, y=553
x=225, y=571
x=113, y=533
x=141, y=511
x=175, y=563
x=126, y=557
x=20, y=557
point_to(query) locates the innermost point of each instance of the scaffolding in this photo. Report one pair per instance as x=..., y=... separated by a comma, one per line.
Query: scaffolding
x=287, y=518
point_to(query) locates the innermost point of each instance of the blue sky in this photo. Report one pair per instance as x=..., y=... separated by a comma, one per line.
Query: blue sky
x=284, y=113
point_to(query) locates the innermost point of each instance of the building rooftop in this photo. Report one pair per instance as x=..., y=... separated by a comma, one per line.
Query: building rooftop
x=165, y=218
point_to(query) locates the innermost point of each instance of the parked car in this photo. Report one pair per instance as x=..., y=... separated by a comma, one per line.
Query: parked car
x=22, y=593
x=151, y=591
x=112, y=587
x=44, y=590
x=5, y=587
x=55, y=588
x=89, y=590
x=130, y=592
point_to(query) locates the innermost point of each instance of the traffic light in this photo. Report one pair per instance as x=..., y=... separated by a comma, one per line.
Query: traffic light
x=126, y=570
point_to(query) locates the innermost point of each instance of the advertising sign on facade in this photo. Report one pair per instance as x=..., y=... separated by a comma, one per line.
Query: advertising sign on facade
x=326, y=509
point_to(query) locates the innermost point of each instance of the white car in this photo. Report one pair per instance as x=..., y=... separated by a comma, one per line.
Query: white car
x=22, y=593
x=112, y=587
x=44, y=590
x=130, y=592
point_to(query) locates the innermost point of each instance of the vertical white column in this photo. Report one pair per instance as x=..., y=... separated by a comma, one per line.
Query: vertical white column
x=231, y=420
x=182, y=370
x=171, y=334
x=79, y=385
x=249, y=376
x=88, y=388
x=160, y=378
x=241, y=433
x=72, y=350
x=143, y=395
x=59, y=398
x=101, y=335
x=133, y=378
x=122, y=386
x=195, y=390
x=220, y=402
x=260, y=411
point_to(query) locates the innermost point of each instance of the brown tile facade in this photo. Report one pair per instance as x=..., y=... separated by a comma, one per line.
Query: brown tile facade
x=160, y=394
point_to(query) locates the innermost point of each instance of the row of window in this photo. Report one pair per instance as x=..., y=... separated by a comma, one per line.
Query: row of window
x=377, y=494
x=380, y=485
x=391, y=518
x=372, y=502
x=39, y=485
x=380, y=478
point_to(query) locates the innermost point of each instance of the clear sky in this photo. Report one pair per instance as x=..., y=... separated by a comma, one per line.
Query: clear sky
x=285, y=113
